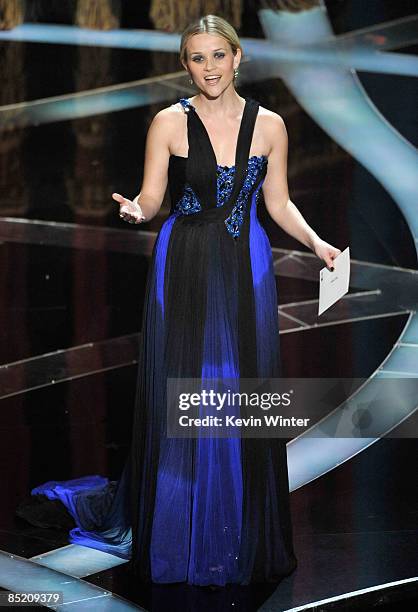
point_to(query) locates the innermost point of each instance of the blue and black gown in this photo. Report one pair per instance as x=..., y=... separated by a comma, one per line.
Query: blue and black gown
x=206, y=511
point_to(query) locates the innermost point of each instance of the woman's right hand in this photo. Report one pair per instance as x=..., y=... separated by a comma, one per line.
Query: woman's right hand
x=129, y=210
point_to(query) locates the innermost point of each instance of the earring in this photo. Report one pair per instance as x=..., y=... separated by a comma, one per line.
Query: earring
x=191, y=81
x=235, y=73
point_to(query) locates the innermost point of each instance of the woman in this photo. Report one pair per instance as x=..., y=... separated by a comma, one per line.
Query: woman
x=207, y=511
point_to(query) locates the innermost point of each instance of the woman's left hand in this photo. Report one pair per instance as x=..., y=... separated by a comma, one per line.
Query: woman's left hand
x=325, y=251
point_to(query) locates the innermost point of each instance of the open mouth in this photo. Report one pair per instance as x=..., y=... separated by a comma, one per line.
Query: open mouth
x=212, y=80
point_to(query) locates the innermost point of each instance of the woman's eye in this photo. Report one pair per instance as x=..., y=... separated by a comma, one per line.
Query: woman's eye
x=197, y=58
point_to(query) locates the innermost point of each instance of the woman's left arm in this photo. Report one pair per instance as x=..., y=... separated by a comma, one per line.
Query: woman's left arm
x=276, y=195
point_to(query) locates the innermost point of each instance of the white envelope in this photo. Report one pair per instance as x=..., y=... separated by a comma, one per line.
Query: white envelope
x=333, y=285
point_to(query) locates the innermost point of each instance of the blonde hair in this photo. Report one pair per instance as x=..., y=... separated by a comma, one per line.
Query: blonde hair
x=210, y=24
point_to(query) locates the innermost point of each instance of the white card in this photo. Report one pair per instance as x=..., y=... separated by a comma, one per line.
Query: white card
x=333, y=285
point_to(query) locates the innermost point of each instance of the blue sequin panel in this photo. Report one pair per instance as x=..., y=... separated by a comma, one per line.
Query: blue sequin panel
x=185, y=103
x=235, y=220
x=189, y=203
x=224, y=183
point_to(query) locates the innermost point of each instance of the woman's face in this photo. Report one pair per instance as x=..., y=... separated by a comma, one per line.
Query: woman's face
x=210, y=56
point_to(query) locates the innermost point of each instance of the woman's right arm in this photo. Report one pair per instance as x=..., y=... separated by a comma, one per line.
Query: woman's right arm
x=154, y=182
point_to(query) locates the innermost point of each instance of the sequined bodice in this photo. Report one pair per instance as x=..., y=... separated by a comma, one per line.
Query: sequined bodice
x=188, y=203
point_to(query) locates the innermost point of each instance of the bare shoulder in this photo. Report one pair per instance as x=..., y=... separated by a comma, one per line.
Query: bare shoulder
x=272, y=127
x=168, y=121
x=169, y=115
x=271, y=121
